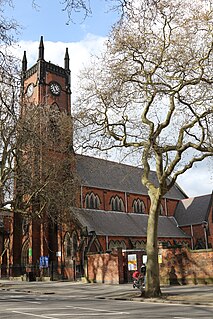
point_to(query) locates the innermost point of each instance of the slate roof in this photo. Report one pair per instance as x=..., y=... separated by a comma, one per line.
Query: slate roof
x=192, y=211
x=104, y=174
x=108, y=223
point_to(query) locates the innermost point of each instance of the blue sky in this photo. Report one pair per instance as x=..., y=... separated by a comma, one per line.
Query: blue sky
x=50, y=20
x=82, y=38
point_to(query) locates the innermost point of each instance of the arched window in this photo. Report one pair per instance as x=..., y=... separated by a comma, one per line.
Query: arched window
x=138, y=206
x=25, y=253
x=117, y=204
x=70, y=244
x=67, y=245
x=92, y=201
x=25, y=226
x=74, y=243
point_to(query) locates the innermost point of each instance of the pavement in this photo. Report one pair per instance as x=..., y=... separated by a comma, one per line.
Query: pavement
x=195, y=295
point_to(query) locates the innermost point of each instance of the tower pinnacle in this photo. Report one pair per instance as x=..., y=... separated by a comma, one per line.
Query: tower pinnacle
x=66, y=60
x=24, y=63
x=41, y=50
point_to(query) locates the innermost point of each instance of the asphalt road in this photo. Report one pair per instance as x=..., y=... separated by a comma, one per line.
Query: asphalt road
x=64, y=301
x=21, y=306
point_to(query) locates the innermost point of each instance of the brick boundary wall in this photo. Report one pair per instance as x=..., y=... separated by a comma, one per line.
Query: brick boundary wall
x=179, y=266
x=105, y=267
x=183, y=266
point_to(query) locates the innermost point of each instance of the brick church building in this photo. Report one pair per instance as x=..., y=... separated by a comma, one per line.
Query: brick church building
x=111, y=207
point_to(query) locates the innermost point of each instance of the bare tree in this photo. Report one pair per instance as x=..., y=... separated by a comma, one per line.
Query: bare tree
x=76, y=6
x=45, y=164
x=9, y=95
x=8, y=121
x=151, y=92
x=84, y=8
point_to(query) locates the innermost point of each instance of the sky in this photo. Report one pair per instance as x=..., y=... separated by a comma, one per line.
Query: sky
x=49, y=19
x=82, y=37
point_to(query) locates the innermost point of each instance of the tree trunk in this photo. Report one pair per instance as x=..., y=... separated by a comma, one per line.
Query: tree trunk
x=152, y=271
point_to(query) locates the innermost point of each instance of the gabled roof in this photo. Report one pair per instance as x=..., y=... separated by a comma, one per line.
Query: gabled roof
x=108, y=223
x=192, y=211
x=104, y=174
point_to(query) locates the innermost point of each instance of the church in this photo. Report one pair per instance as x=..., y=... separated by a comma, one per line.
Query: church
x=111, y=207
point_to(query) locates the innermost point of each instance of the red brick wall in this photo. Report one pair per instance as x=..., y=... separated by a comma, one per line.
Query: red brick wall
x=171, y=205
x=106, y=267
x=179, y=266
x=183, y=266
x=198, y=232
x=42, y=93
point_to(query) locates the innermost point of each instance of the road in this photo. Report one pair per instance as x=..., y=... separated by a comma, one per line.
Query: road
x=82, y=301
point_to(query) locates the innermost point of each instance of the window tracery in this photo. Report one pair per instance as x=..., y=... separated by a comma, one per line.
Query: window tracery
x=138, y=206
x=117, y=204
x=117, y=244
x=70, y=244
x=92, y=201
x=67, y=245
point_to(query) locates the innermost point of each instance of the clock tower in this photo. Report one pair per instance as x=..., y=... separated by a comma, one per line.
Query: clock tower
x=46, y=83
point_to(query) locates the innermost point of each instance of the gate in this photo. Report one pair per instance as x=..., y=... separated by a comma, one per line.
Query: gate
x=132, y=260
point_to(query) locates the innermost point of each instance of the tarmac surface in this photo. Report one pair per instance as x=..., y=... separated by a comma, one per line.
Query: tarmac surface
x=196, y=295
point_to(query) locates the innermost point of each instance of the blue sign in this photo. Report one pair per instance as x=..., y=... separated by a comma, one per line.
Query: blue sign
x=44, y=261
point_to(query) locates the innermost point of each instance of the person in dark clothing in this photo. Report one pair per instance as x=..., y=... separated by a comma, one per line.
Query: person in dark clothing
x=143, y=270
x=143, y=273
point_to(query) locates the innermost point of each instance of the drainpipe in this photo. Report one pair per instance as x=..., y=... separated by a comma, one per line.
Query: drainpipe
x=192, y=239
x=166, y=210
x=205, y=226
x=81, y=197
x=107, y=242
x=126, y=208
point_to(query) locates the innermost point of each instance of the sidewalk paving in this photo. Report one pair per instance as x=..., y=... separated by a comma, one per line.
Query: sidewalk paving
x=197, y=298
x=196, y=295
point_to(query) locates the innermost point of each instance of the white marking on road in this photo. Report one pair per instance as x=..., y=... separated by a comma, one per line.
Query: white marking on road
x=14, y=299
x=182, y=318
x=35, y=309
x=34, y=315
x=85, y=314
x=98, y=310
x=53, y=315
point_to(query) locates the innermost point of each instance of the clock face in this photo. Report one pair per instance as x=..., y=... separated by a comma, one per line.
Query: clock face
x=55, y=88
x=30, y=89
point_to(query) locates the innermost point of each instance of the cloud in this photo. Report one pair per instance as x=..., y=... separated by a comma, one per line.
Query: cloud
x=198, y=180
x=54, y=52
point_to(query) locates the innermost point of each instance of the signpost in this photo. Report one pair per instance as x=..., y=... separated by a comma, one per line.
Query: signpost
x=44, y=262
